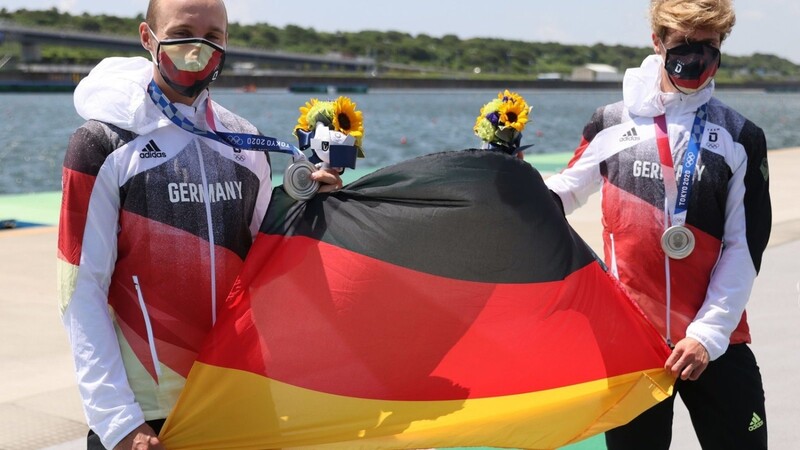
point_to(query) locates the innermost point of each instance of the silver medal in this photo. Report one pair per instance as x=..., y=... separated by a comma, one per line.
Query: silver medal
x=297, y=180
x=677, y=242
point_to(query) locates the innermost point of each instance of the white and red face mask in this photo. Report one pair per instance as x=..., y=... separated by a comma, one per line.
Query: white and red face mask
x=188, y=65
x=691, y=66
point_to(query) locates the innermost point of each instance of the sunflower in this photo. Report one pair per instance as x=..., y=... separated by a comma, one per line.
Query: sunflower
x=302, y=121
x=514, y=114
x=338, y=115
x=502, y=119
x=345, y=117
x=507, y=96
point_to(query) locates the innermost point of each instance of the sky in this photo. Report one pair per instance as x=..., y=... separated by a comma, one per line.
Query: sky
x=763, y=26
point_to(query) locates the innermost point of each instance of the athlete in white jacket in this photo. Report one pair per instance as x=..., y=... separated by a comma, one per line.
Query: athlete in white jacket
x=155, y=221
x=698, y=216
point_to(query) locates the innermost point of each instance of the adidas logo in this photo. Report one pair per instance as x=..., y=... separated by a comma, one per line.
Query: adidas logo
x=630, y=136
x=151, y=150
x=755, y=423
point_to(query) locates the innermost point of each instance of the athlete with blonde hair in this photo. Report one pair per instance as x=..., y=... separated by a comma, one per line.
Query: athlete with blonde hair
x=686, y=217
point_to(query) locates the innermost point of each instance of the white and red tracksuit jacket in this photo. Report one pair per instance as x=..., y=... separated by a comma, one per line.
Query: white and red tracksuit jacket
x=729, y=210
x=155, y=224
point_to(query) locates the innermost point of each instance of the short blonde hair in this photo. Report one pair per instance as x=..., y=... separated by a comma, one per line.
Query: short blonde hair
x=688, y=16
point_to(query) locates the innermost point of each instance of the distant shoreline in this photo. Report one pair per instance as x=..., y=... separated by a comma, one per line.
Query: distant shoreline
x=65, y=82
x=286, y=81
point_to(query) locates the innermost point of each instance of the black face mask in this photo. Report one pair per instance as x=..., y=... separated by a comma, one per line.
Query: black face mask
x=691, y=66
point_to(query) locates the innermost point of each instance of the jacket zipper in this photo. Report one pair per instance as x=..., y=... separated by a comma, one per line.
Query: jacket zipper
x=668, y=284
x=614, y=270
x=148, y=326
x=211, y=243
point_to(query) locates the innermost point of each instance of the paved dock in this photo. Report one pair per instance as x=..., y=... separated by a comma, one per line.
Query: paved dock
x=39, y=402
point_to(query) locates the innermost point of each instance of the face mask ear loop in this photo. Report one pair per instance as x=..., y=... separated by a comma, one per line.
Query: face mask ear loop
x=663, y=49
x=666, y=72
x=154, y=56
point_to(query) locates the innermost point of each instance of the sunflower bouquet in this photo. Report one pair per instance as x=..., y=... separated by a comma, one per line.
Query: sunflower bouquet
x=501, y=122
x=334, y=130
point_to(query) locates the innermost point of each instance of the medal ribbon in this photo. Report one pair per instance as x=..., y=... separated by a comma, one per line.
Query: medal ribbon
x=678, y=192
x=243, y=141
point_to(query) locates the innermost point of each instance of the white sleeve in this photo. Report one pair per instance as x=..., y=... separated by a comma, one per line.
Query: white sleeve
x=577, y=182
x=733, y=277
x=108, y=400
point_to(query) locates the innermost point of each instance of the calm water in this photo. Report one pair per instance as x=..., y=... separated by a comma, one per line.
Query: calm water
x=35, y=128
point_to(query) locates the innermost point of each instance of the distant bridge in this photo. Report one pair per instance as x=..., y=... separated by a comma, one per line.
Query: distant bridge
x=32, y=38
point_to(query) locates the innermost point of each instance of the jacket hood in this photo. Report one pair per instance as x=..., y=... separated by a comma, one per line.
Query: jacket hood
x=642, y=94
x=115, y=92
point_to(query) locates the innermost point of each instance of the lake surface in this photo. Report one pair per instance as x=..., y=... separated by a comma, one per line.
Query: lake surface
x=399, y=125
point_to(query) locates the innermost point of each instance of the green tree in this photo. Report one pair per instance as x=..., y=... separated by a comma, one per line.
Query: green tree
x=446, y=54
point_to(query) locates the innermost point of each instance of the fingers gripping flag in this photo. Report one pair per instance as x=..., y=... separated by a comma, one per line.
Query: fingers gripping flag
x=440, y=302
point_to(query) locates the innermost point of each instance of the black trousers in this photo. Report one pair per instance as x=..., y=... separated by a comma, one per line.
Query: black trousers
x=726, y=405
x=93, y=440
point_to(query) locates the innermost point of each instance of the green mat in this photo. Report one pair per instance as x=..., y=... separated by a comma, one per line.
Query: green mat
x=39, y=209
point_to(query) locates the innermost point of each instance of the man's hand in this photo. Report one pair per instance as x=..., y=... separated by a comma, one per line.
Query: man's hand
x=688, y=360
x=142, y=438
x=329, y=180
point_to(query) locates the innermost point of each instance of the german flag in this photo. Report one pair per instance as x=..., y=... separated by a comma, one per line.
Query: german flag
x=439, y=302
